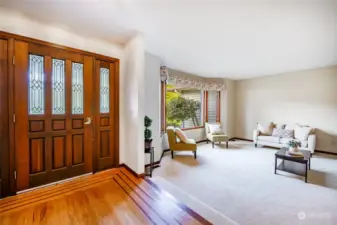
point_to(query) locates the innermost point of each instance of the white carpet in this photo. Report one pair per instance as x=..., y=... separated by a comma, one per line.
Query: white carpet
x=213, y=216
x=240, y=183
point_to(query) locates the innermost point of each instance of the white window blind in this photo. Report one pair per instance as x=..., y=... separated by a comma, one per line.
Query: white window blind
x=197, y=96
x=212, y=106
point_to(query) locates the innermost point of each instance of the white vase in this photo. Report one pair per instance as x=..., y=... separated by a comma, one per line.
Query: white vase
x=293, y=149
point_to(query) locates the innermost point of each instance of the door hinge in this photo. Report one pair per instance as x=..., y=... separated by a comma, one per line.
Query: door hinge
x=13, y=118
x=13, y=60
x=15, y=175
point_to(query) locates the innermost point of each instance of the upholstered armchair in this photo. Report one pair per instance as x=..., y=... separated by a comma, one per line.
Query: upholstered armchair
x=214, y=138
x=177, y=145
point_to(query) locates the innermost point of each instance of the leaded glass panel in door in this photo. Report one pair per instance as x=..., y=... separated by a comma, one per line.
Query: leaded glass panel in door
x=36, y=85
x=58, y=86
x=104, y=90
x=77, y=88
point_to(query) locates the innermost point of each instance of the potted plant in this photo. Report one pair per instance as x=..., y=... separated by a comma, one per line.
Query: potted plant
x=293, y=145
x=147, y=133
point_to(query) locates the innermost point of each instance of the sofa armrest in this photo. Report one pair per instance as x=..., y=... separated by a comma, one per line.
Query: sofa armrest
x=256, y=133
x=312, y=142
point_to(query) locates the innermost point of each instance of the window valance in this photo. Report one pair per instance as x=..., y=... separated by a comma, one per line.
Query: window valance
x=179, y=78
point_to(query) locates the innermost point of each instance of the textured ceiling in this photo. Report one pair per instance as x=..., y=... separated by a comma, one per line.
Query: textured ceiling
x=213, y=38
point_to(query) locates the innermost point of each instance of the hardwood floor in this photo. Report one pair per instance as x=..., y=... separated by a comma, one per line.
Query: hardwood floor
x=110, y=197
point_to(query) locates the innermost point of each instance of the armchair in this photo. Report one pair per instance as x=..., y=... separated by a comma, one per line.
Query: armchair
x=177, y=145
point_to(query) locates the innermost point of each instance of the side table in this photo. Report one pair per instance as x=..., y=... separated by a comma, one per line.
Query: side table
x=150, y=168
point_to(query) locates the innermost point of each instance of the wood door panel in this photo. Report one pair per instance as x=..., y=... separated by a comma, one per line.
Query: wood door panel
x=53, y=132
x=37, y=155
x=104, y=144
x=21, y=126
x=59, y=152
x=4, y=125
x=78, y=149
x=58, y=124
x=77, y=123
x=36, y=126
x=105, y=120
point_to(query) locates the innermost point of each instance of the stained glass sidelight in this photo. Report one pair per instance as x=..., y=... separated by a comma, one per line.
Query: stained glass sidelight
x=36, y=85
x=104, y=90
x=77, y=88
x=58, y=87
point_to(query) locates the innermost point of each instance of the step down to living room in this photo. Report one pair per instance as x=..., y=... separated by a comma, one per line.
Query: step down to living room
x=204, y=210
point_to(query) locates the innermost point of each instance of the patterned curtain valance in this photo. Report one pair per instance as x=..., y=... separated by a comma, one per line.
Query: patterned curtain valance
x=192, y=81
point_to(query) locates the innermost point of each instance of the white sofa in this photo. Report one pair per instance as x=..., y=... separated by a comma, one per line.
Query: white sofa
x=308, y=143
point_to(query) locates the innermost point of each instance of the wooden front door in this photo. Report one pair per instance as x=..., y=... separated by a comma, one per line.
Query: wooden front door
x=53, y=114
x=106, y=111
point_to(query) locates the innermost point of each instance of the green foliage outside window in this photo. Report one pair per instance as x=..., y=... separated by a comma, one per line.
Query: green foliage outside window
x=179, y=109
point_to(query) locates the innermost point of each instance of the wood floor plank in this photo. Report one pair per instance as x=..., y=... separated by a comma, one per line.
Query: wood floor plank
x=111, y=197
x=171, y=206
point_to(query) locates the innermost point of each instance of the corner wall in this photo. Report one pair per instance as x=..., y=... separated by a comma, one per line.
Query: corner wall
x=305, y=97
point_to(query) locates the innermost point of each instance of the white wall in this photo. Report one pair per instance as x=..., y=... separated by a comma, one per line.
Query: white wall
x=133, y=93
x=131, y=75
x=152, y=101
x=305, y=97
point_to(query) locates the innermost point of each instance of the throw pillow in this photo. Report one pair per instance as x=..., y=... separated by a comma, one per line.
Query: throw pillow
x=283, y=133
x=215, y=129
x=265, y=129
x=280, y=126
x=302, y=132
x=180, y=134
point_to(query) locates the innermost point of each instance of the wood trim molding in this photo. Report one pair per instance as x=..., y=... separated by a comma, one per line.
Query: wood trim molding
x=324, y=152
x=218, y=107
x=163, y=106
x=242, y=139
x=7, y=35
x=205, y=106
x=193, y=128
x=141, y=175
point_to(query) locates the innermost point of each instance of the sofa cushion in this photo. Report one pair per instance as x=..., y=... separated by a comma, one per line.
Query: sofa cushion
x=265, y=129
x=180, y=134
x=304, y=143
x=302, y=132
x=269, y=139
x=215, y=129
x=279, y=126
x=285, y=141
x=283, y=133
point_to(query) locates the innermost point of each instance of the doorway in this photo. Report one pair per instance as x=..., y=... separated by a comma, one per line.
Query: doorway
x=65, y=113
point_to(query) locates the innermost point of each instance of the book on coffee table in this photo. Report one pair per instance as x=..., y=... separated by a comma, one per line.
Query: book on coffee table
x=294, y=154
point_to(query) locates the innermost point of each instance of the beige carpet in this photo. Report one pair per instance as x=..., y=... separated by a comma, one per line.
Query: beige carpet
x=240, y=183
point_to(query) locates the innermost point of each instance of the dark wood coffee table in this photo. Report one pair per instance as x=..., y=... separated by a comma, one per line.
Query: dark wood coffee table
x=295, y=165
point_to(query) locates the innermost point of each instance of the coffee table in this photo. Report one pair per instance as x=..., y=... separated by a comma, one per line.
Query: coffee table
x=295, y=165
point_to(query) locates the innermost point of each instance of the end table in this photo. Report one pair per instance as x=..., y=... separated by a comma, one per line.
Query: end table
x=150, y=168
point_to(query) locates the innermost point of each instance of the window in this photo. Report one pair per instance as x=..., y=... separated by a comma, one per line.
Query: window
x=188, y=108
x=213, y=106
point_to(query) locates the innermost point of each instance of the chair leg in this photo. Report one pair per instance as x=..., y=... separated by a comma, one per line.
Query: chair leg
x=226, y=144
x=195, y=154
x=219, y=142
x=207, y=141
x=212, y=144
x=255, y=145
x=172, y=154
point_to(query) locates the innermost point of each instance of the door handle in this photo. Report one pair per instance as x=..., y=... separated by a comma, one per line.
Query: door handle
x=87, y=120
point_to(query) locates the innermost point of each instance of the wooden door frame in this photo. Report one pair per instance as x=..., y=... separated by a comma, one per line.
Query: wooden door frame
x=10, y=168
